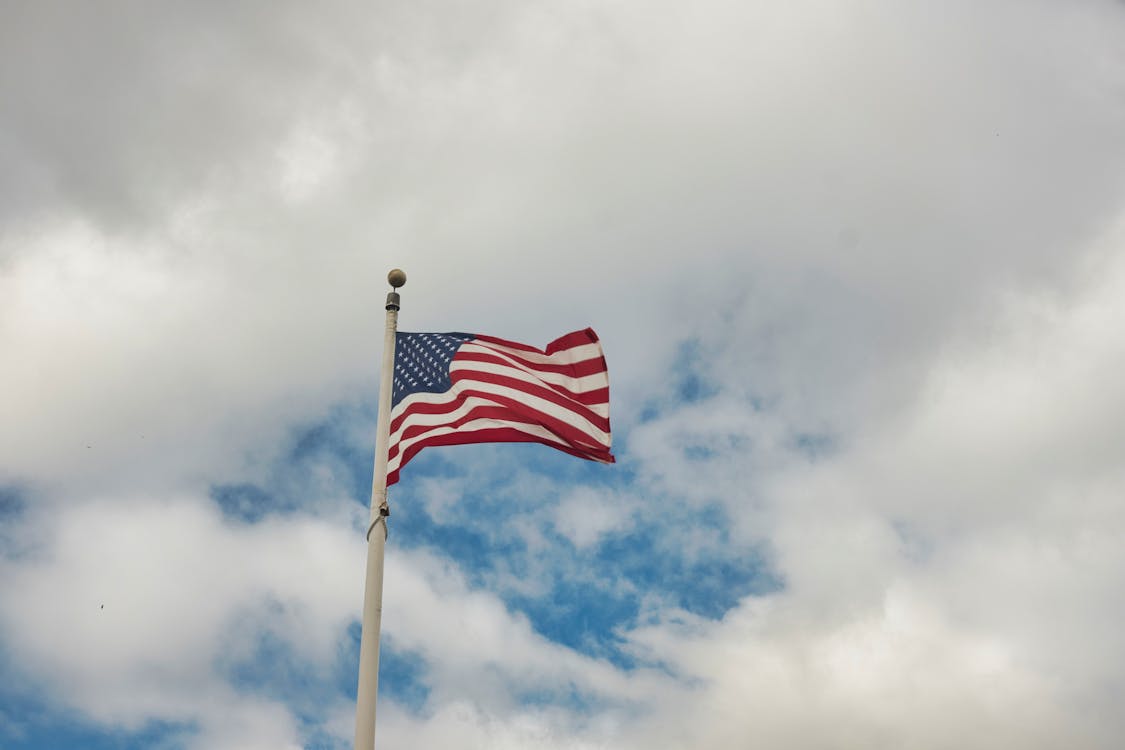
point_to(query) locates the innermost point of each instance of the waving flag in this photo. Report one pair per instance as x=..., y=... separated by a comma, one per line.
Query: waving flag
x=458, y=388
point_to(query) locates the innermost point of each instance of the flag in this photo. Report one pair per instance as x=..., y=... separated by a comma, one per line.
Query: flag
x=458, y=388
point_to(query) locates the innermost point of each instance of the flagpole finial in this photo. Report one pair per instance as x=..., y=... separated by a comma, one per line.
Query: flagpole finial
x=397, y=277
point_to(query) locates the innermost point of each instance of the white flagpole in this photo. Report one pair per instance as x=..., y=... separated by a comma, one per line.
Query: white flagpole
x=377, y=538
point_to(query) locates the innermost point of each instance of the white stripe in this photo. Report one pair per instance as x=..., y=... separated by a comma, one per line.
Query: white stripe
x=574, y=385
x=543, y=406
x=476, y=424
x=599, y=408
x=586, y=382
x=423, y=397
x=577, y=421
x=570, y=356
x=421, y=419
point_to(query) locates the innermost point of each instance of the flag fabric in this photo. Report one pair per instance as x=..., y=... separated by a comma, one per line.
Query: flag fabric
x=458, y=388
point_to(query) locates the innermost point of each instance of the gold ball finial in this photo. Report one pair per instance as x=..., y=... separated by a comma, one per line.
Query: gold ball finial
x=397, y=277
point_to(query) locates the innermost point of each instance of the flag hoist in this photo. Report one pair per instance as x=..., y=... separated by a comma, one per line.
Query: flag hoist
x=368, y=687
x=457, y=388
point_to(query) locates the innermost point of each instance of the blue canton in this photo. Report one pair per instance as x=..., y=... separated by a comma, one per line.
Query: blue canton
x=422, y=362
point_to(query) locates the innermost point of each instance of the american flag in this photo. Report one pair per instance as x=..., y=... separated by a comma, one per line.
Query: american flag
x=457, y=388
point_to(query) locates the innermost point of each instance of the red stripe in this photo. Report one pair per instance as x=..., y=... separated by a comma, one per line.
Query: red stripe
x=559, y=345
x=424, y=408
x=498, y=408
x=571, y=340
x=594, y=398
x=589, y=398
x=516, y=411
x=492, y=377
x=493, y=435
x=465, y=379
x=599, y=397
x=486, y=411
x=562, y=343
x=592, y=366
x=512, y=410
x=505, y=342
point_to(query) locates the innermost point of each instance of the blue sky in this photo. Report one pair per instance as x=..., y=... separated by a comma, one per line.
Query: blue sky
x=857, y=271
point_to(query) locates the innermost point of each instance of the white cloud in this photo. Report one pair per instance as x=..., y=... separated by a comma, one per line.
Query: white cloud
x=125, y=608
x=586, y=515
x=465, y=725
x=883, y=226
x=892, y=673
x=473, y=645
x=949, y=573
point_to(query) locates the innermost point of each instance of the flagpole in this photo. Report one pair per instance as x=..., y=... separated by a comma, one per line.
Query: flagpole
x=377, y=538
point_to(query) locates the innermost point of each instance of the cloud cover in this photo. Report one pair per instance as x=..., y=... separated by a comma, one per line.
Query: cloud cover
x=857, y=269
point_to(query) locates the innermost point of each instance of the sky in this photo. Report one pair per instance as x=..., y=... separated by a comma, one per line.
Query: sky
x=858, y=271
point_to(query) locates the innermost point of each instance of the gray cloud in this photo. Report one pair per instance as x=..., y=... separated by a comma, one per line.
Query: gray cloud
x=888, y=236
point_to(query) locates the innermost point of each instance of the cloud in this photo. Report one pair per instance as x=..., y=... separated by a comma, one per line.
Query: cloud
x=718, y=164
x=857, y=271
x=125, y=607
x=483, y=649
x=585, y=516
x=954, y=562
x=896, y=671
